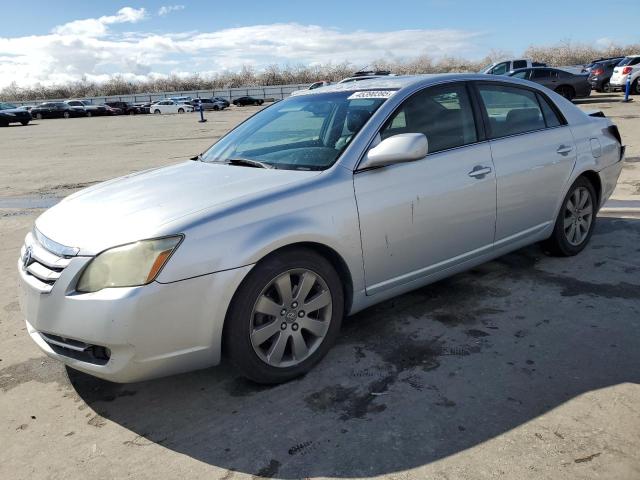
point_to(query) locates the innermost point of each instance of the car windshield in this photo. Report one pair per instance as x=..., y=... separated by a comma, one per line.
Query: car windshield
x=6, y=106
x=305, y=132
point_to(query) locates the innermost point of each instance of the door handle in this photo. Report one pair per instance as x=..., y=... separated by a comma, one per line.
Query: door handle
x=479, y=171
x=564, y=149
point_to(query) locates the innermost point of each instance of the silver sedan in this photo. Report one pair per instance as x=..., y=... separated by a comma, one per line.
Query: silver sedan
x=315, y=208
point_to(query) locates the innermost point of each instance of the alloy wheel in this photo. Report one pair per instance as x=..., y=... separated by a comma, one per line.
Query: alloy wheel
x=291, y=318
x=578, y=216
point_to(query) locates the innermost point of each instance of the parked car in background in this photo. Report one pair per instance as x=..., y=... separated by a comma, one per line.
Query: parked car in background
x=57, y=110
x=628, y=67
x=25, y=107
x=126, y=108
x=315, y=208
x=208, y=104
x=367, y=75
x=567, y=84
x=9, y=113
x=185, y=99
x=169, y=106
x=89, y=108
x=222, y=100
x=113, y=110
x=505, y=66
x=315, y=85
x=243, y=101
x=600, y=74
x=587, y=68
x=143, y=107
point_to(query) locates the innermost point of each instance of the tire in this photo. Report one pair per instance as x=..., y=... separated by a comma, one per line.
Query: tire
x=257, y=358
x=635, y=88
x=89, y=114
x=606, y=87
x=216, y=108
x=66, y=115
x=157, y=112
x=566, y=91
x=132, y=112
x=25, y=122
x=4, y=124
x=181, y=110
x=562, y=243
x=39, y=116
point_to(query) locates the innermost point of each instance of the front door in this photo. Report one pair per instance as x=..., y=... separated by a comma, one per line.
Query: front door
x=421, y=217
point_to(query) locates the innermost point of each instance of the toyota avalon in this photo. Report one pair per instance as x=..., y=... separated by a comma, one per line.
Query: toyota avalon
x=315, y=208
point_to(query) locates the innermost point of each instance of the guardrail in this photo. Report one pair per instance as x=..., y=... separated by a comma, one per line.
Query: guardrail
x=275, y=92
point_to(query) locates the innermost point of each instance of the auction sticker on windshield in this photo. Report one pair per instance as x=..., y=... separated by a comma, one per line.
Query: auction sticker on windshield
x=372, y=94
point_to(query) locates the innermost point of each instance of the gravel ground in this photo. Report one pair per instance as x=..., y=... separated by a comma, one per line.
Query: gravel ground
x=526, y=367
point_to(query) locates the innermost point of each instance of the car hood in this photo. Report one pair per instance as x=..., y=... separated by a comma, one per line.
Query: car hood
x=143, y=205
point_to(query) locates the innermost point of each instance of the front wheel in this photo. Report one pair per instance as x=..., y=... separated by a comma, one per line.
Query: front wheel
x=89, y=114
x=635, y=88
x=156, y=112
x=39, y=116
x=285, y=316
x=25, y=122
x=576, y=220
x=66, y=114
x=181, y=110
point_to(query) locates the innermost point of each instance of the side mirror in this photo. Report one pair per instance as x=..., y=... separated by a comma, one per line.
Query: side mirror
x=404, y=147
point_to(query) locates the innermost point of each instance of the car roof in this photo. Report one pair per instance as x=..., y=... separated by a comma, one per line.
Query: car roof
x=398, y=82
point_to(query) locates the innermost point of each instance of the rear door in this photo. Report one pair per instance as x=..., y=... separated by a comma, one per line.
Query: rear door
x=421, y=217
x=533, y=153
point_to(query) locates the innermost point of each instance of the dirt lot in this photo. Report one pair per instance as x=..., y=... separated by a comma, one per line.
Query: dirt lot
x=527, y=367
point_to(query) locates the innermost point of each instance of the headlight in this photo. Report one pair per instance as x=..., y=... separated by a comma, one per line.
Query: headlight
x=129, y=265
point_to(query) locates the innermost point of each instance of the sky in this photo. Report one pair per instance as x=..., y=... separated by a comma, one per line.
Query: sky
x=53, y=42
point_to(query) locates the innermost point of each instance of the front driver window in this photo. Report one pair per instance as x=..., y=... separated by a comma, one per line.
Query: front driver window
x=442, y=113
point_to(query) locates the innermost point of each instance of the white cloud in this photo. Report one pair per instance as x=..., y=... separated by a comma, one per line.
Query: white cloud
x=88, y=48
x=167, y=9
x=98, y=26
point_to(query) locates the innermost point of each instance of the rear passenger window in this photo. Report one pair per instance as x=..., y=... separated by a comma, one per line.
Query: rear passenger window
x=443, y=114
x=511, y=110
x=550, y=116
x=519, y=64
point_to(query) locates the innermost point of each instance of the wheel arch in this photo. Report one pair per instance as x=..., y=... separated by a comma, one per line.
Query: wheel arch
x=594, y=179
x=325, y=251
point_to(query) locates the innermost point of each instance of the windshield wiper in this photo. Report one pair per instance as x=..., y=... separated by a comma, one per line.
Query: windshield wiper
x=246, y=162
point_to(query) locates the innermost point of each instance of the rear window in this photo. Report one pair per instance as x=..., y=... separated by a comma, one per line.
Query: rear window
x=511, y=110
x=519, y=64
x=629, y=61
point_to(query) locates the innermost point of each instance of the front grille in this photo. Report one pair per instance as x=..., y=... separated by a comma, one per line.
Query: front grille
x=85, y=352
x=43, y=260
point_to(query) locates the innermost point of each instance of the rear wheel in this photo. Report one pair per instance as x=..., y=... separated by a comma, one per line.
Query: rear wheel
x=181, y=110
x=606, y=87
x=635, y=87
x=39, y=116
x=576, y=220
x=285, y=316
x=89, y=114
x=66, y=114
x=156, y=112
x=132, y=112
x=216, y=108
x=566, y=91
x=25, y=122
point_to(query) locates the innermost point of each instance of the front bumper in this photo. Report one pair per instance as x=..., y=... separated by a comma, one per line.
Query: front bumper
x=134, y=333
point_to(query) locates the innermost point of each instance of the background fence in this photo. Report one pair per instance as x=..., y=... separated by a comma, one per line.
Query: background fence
x=277, y=92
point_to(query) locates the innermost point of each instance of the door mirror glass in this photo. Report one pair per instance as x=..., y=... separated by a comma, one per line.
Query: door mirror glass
x=404, y=147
